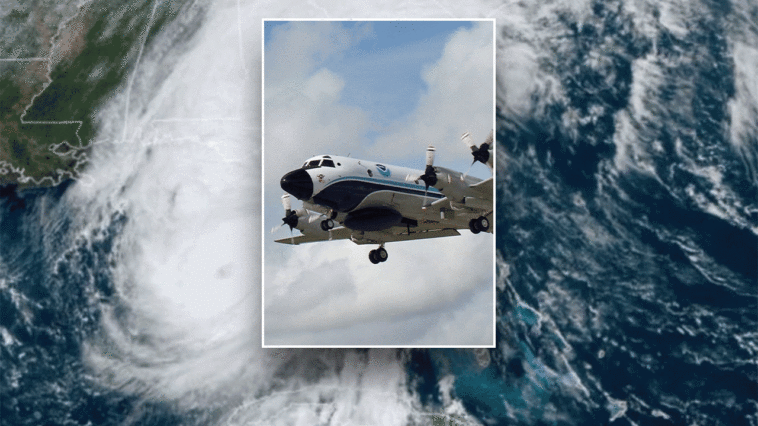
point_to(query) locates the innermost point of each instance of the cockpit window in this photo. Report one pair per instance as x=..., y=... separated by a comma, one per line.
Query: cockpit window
x=318, y=162
x=311, y=164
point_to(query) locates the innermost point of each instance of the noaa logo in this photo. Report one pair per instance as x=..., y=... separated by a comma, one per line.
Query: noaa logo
x=383, y=170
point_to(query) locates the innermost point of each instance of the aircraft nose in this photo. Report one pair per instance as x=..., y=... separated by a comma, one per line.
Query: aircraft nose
x=298, y=183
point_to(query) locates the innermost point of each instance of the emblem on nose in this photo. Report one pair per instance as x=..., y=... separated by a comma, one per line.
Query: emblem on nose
x=298, y=183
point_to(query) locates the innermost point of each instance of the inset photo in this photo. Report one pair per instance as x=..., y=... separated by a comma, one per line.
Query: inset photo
x=378, y=183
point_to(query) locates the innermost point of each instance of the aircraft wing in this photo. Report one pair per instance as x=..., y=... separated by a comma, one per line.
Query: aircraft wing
x=465, y=191
x=483, y=188
x=375, y=237
x=337, y=234
x=401, y=234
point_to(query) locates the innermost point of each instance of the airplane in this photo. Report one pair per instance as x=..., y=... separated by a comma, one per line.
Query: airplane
x=375, y=203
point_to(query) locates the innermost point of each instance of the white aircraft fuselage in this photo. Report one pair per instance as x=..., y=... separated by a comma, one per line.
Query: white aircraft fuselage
x=377, y=203
x=370, y=196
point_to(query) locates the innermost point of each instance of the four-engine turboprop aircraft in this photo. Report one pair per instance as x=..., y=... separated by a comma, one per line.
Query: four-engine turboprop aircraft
x=376, y=203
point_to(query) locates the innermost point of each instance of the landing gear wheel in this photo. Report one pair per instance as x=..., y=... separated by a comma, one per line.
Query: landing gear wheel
x=483, y=224
x=327, y=224
x=473, y=226
x=378, y=255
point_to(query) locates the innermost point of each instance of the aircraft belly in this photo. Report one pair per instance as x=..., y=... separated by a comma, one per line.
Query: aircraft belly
x=409, y=206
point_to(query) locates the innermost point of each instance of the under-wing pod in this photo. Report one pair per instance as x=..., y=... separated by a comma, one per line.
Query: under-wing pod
x=372, y=219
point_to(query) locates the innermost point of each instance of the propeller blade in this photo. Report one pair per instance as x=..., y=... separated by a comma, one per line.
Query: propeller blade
x=463, y=177
x=286, y=202
x=468, y=140
x=490, y=137
x=429, y=156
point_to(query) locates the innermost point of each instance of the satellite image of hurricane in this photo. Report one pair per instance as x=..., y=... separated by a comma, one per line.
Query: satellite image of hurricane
x=626, y=231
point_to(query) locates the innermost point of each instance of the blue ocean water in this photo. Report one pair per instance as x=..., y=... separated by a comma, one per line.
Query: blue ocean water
x=630, y=293
x=627, y=259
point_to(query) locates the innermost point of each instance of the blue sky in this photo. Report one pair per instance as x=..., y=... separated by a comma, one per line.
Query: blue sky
x=381, y=66
x=381, y=91
x=382, y=71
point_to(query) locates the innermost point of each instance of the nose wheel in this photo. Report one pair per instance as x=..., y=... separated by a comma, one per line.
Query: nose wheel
x=378, y=255
x=480, y=224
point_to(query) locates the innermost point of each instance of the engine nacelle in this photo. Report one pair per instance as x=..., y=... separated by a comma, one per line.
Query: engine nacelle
x=310, y=223
x=452, y=186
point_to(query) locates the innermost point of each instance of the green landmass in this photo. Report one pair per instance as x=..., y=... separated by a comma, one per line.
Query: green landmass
x=47, y=116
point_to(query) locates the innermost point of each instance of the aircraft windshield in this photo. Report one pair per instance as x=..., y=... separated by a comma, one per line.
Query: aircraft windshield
x=313, y=164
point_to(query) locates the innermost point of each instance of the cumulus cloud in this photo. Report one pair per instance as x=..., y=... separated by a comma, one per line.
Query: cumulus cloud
x=458, y=98
x=301, y=99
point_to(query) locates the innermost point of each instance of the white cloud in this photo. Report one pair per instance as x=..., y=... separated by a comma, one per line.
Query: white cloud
x=296, y=48
x=458, y=99
x=302, y=114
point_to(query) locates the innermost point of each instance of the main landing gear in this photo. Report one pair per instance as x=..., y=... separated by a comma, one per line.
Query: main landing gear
x=378, y=255
x=480, y=224
x=327, y=224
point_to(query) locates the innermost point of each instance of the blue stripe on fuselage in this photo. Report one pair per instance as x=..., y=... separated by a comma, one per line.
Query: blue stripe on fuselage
x=386, y=182
x=345, y=193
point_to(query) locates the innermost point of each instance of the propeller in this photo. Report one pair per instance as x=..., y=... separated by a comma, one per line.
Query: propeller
x=480, y=153
x=291, y=217
x=430, y=176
